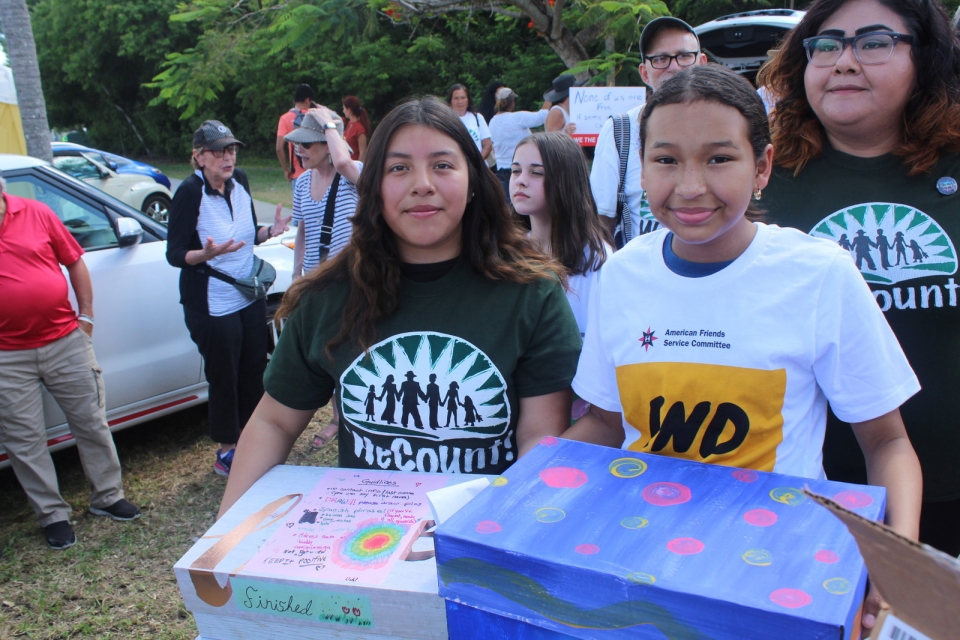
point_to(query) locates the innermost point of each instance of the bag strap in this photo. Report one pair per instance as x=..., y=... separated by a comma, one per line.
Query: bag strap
x=220, y=275
x=621, y=133
x=326, y=229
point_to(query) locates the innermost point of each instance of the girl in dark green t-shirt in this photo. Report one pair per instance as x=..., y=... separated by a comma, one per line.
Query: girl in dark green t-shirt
x=437, y=287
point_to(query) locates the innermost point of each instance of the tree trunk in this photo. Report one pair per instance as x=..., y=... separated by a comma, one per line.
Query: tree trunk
x=22, y=53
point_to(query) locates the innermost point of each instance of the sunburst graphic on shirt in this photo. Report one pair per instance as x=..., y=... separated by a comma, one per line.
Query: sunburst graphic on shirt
x=890, y=242
x=424, y=384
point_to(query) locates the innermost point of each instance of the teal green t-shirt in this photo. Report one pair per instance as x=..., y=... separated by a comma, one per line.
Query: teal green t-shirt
x=439, y=389
x=899, y=231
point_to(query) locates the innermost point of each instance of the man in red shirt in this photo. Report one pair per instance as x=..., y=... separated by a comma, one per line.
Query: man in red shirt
x=302, y=100
x=45, y=343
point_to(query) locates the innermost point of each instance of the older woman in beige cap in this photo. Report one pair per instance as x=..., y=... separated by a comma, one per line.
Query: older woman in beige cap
x=324, y=200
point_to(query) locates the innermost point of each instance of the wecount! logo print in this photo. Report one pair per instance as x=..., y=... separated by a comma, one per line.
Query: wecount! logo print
x=889, y=242
x=425, y=385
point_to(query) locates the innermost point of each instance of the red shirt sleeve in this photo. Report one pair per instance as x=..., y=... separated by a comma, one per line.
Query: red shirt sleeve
x=65, y=246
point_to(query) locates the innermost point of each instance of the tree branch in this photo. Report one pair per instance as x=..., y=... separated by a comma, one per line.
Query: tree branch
x=556, y=28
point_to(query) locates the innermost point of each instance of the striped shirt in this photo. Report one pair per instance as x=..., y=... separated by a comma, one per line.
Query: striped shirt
x=222, y=222
x=310, y=212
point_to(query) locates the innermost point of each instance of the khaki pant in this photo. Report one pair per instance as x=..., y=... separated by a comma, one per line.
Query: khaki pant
x=69, y=371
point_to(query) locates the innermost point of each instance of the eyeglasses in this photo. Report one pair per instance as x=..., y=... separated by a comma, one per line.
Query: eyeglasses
x=231, y=149
x=868, y=48
x=684, y=59
x=307, y=145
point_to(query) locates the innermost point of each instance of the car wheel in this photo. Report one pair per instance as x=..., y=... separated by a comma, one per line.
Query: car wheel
x=157, y=207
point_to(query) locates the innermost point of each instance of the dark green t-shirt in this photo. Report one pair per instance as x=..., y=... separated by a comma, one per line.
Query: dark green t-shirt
x=899, y=231
x=439, y=389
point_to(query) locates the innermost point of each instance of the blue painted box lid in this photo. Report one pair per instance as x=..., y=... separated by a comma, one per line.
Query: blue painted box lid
x=594, y=542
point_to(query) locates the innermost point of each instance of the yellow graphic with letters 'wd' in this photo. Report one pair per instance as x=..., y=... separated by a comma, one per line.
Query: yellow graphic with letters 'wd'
x=705, y=412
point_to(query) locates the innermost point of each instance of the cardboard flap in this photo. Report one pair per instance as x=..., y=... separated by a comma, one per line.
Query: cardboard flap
x=920, y=583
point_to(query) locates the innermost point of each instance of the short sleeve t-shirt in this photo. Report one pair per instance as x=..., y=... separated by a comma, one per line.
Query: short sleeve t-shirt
x=439, y=389
x=477, y=127
x=34, y=307
x=899, y=232
x=285, y=126
x=736, y=368
x=352, y=135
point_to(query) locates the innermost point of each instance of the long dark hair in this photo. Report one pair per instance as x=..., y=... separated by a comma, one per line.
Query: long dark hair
x=353, y=103
x=370, y=263
x=931, y=119
x=461, y=87
x=577, y=237
x=489, y=100
x=714, y=83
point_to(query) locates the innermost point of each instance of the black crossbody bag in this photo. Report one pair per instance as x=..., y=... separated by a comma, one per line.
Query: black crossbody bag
x=326, y=229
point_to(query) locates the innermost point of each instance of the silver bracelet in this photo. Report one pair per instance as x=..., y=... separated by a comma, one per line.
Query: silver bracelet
x=85, y=318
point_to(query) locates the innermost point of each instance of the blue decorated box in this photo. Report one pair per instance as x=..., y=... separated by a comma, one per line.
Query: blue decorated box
x=582, y=541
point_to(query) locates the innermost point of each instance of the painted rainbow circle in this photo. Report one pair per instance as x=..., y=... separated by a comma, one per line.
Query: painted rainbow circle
x=634, y=522
x=758, y=557
x=627, y=467
x=837, y=586
x=788, y=496
x=550, y=515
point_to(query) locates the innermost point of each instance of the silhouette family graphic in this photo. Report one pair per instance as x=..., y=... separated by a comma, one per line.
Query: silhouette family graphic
x=410, y=395
x=861, y=245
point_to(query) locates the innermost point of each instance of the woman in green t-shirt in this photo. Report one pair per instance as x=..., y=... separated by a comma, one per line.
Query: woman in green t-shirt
x=867, y=136
x=438, y=287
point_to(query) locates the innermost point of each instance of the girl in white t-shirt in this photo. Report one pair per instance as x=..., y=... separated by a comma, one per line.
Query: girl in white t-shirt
x=550, y=183
x=720, y=339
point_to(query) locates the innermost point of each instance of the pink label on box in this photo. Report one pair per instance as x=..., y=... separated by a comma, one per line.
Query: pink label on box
x=352, y=528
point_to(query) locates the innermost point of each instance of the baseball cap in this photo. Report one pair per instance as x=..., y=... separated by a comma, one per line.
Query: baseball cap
x=657, y=25
x=213, y=135
x=311, y=130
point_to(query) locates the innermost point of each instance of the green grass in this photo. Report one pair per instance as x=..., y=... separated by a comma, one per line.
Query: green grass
x=267, y=181
x=118, y=581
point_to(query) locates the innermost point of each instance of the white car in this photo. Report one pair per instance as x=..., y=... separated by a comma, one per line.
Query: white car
x=150, y=365
x=741, y=41
x=140, y=192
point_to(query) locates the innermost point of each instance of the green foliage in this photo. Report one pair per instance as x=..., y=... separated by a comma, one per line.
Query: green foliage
x=94, y=56
x=246, y=81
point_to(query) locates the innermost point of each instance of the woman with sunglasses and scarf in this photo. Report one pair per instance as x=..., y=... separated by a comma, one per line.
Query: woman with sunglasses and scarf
x=213, y=226
x=320, y=144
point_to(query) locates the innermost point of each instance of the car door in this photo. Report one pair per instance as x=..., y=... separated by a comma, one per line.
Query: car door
x=140, y=339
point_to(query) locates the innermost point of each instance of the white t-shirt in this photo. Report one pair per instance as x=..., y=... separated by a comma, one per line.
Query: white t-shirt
x=563, y=112
x=580, y=285
x=508, y=128
x=736, y=368
x=477, y=127
x=605, y=176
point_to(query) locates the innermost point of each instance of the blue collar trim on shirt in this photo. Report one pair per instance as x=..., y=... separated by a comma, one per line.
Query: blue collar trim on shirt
x=686, y=268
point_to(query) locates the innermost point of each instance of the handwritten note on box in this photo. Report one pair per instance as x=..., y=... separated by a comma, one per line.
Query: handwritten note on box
x=591, y=106
x=353, y=528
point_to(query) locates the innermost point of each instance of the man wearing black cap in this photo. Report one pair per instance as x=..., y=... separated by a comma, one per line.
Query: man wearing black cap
x=668, y=45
